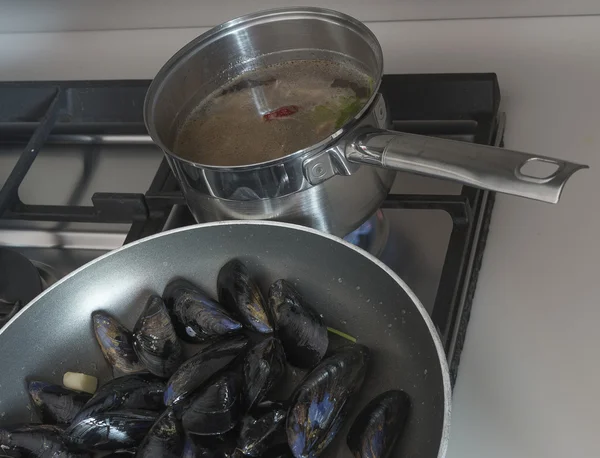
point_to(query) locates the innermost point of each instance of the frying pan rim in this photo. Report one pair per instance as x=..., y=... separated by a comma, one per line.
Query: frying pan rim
x=428, y=322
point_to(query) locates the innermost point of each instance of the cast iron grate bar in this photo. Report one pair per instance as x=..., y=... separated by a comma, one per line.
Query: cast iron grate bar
x=9, y=194
x=454, y=299
x=163, y=184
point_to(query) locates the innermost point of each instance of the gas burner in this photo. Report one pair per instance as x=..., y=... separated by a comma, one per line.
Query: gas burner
x=20, y=282
x=372, y=235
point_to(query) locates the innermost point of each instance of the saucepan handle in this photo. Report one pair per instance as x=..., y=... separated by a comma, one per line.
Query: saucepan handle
x=487, y=167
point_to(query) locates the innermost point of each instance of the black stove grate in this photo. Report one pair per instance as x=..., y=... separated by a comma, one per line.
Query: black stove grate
x=455, y=105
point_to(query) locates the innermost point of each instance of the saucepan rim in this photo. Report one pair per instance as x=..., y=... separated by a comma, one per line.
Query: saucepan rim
x=277, y=14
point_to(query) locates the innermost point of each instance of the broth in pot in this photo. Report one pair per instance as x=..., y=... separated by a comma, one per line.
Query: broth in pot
x=272, y=112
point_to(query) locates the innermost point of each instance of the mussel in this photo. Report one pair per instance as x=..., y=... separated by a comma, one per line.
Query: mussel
x=209, y=447
x=111, y=430
x=217, y=407
x=165, y=438
x=37, y=441
x=193, y=449
x=195, y=315
x=264, y=366
x=286, y=454
x=377, y=427
x=136, y=391
x=240, y=294
x=198, y=369
x=320, y=403
x=116, y=342
x=10, y=452
x=155, y=341
x=279, y=451
x=301, y=330
x=54, y=403
x=262, y=429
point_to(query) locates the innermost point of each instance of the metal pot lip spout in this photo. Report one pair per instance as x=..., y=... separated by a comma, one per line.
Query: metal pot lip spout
x=240, y=23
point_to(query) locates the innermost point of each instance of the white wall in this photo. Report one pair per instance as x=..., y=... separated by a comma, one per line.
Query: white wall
x=63, y=15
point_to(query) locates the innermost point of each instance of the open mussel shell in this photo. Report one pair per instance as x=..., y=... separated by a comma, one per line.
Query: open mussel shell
x=239, y=293
x=195, y=315
x=320, y=403
x=264, y=367
x=217, y=407
x=130, y=392
x=202, y=366
x=155, y=341
x=379, y=424
x=56, y=404
x=301, y=330
x=262, y=430
x=37, y=441
x=165, y=438
x=111, y=430
x=116, y=342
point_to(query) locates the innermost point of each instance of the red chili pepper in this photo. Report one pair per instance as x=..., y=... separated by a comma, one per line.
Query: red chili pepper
x=281, y=112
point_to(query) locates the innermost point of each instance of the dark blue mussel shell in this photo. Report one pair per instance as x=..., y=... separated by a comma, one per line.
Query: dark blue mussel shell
x=195, y=315
x=44, y=441
x=56, y=404
x=136, y=391
x=264, y=367
x=113, y=430
x=155, y=341
x=321, y=402
x=239, y=293
x=217, y=406
x=300, y=329
x=165, y=438
x=197, y=370
x=263, y=429
x=116, y=342
x=210, y=447
x=378, y=426
x=10, y=452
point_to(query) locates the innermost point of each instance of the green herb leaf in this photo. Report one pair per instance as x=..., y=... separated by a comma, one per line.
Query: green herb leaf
x=323, y=113
x=342, y=334
x=348, y=109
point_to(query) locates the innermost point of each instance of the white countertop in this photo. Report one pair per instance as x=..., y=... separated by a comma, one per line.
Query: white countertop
x=530, y=372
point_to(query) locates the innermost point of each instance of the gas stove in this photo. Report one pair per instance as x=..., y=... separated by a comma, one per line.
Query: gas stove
x=81, y=177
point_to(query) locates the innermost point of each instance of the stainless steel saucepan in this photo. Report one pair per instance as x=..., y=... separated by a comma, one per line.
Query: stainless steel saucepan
x=338, y=183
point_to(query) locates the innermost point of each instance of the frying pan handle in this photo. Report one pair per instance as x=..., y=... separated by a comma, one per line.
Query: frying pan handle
x=487, y=167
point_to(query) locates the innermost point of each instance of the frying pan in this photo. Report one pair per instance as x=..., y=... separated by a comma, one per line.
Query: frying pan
x=354, y=291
